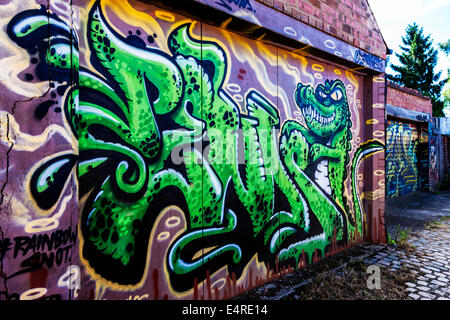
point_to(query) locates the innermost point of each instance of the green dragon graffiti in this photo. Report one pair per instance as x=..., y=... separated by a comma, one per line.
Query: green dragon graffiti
x=158, y=129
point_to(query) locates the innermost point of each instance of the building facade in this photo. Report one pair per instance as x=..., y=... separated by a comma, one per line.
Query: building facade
x=185, y=149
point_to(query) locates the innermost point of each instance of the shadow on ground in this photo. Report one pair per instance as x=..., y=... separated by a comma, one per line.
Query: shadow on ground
x=416, y=210
x=344, y=276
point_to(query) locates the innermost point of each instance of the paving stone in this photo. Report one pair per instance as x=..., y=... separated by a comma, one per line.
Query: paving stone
x=426, y=294
x=414, y=296
x=442, y=298
x=411, y=289
x=425, y=270
x=439, y=283
x=422, y=288
x=439, y=292
x=433, y=269
x=422, y=283
x=443, y=279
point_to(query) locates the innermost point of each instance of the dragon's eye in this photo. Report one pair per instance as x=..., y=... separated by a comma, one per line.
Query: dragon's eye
x=336, y=95
x=322, y=94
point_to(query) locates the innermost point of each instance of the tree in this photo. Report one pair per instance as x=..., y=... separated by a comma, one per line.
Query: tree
x=418, y=60
x=445, y=47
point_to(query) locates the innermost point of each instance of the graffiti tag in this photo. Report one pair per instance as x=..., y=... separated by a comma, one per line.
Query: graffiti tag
x=242, y=4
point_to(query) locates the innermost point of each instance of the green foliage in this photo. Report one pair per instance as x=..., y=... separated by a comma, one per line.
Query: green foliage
x=400, y=238
x=391, y=241
x=418, y=60
x=445, y=47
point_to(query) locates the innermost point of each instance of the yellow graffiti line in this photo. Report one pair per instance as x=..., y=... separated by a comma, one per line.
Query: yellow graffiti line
x=356, y=128
x=163, y=236
x=357, y=68
x=318, y=67
x=172, y=222
x=378, y=79
x=373, y=195
x=33, y=294
x=126, y=13
x=261, y=37
x=26, y=142
x=304, y=69
x=225, y=24
x=379, y=173
x=164, y=15
x=47, y=224
x=203, y=252
x=352, y=79
x=378, y=106
x=372, y=121
x=267, y=54
x=260, y=267
x=99, y=291
x=301, y=49
x=338, y=72
x=243, y=52
x=289, y=69
x=378, y=133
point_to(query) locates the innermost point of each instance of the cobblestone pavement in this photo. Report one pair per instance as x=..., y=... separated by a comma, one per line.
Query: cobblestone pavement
x=430, y=261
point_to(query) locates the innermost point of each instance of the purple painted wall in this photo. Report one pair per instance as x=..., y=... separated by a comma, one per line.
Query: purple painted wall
x=96, y=97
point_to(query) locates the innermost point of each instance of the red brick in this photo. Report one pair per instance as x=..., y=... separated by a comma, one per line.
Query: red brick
x=348, y=20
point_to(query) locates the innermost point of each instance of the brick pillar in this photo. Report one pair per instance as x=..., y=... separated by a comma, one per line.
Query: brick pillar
x=374, y=166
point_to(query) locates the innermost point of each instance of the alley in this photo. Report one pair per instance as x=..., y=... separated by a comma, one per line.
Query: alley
x=423, y=219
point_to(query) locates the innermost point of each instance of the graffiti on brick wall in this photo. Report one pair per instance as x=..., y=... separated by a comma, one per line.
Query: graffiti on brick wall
x=185, y=178
x=241, y=4
x=402, y=175
x=368, y=60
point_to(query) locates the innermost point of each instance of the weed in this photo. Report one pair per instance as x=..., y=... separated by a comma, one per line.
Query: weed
x=437, y=224
x=400, y=239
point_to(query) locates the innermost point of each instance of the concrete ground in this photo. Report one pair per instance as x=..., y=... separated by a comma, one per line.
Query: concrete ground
x=419, y=224
x=415, y=210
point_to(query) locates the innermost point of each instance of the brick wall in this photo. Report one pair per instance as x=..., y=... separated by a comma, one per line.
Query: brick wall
x=408, y=99
x=349, y=20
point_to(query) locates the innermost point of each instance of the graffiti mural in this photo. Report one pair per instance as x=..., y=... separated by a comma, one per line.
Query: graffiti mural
x=402, y=174
x=206, y=165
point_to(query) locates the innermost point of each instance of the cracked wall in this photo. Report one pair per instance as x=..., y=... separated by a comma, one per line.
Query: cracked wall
x=37, y=244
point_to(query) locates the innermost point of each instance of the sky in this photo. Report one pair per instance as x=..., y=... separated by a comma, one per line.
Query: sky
x=393, y=16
